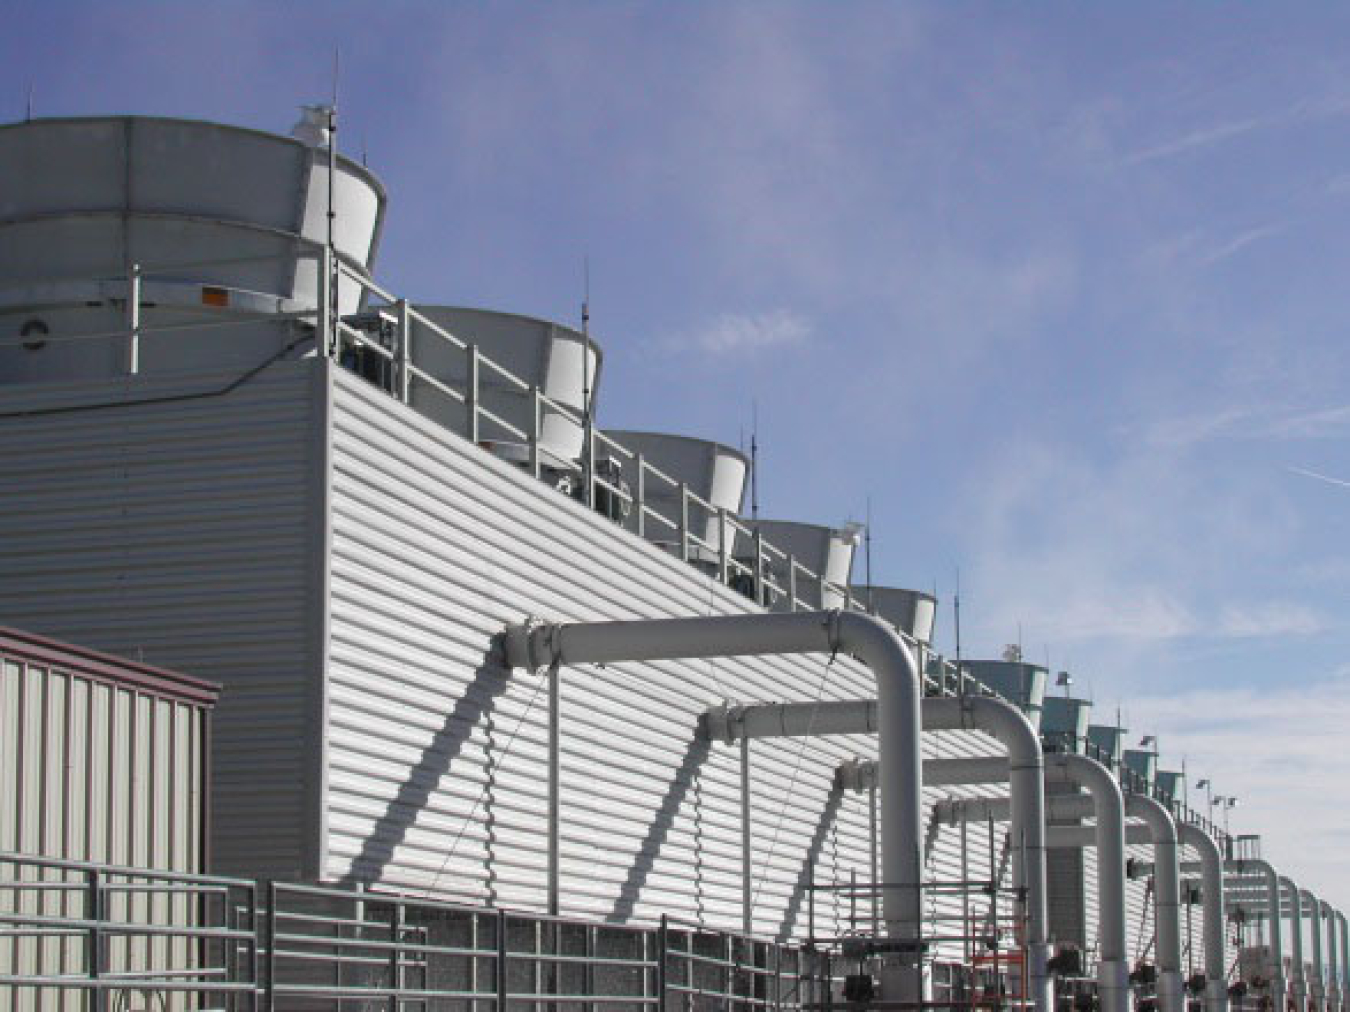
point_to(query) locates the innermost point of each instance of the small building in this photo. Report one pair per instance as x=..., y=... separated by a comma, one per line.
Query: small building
x=102, y=759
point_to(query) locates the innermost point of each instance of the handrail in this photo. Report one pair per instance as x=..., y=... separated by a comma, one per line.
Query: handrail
x=775, y=577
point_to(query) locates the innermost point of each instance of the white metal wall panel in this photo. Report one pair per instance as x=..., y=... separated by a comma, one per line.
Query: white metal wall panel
x=436, y=758
x=74, y=750
x=178, y=533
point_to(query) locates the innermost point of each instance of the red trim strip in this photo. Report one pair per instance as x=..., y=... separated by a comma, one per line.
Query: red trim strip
x=162, y=682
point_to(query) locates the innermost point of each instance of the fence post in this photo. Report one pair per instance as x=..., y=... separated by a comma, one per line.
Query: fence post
x=501, y=961
x=404, y=352
x=662, y=944
x=395, y=955
x=535, y=426
x=722, y=544
x=684, y=521
x=471, y=393
x=641, y=496
x=95, y=901
x=792, y=582
x=271, y=934
x=133, y=311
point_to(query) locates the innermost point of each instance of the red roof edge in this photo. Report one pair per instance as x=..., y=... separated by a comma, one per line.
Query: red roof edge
x=30, y=647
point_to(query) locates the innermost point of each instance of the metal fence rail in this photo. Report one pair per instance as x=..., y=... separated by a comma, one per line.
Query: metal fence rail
x=99, y=938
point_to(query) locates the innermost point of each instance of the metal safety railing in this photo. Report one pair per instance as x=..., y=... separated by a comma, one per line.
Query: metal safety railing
x=100, y=938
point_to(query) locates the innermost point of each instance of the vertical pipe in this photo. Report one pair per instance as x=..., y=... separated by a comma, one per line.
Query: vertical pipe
x=1333, y=975
x=1317, y=987
x=1345, y=960
x=1166, y=907
x=1298, y=983
x=554, y=788
x=747, y=913
x=872, y=844
x=1109, y=808
x=1212, y=913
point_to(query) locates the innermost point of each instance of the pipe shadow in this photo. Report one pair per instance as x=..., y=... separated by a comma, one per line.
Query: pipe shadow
x=695, y=754
x=477, y=700
x=805, y=874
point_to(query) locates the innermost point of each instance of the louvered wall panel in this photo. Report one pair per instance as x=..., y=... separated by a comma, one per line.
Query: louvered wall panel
x=177, y=533
x=437, y=759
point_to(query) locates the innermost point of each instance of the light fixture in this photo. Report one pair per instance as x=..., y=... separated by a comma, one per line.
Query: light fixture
x=1147, y=740
x=1201, y=784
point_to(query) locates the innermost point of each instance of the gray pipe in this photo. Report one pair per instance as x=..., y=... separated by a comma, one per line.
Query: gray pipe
x=1299, y=983
x=1108, y=807
x=1345, y=960
x=1160, y=831
x=1025, y=772
x=1333, y=961
x=1279, y=984
x=1166, y=898
x=1317, y=986
x=1113, y=984
x=1212, y=911
x=899, y=724
x=1022, y=769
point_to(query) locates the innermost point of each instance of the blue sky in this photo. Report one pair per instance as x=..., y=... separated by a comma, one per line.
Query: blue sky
x=1059, y=287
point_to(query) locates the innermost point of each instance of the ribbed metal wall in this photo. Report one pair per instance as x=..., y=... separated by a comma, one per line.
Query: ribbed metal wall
x=437, y=759
x=179, y=533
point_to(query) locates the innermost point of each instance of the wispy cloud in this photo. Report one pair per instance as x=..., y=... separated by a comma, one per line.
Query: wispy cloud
x=1246, y=423
x=1320, y=477
x=1196, y=139
x=1240, y=242
x=745, y=333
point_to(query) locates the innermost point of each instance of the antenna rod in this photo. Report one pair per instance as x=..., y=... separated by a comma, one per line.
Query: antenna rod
x=867, y=552
x=29, y=116
x=587, y=444
x=586, y=338
x=335, y=274
x=754, y=460
x=956, y=604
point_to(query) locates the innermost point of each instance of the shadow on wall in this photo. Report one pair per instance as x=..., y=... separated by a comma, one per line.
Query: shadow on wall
x=476, y=701
x=805, y=874
x=695, y=754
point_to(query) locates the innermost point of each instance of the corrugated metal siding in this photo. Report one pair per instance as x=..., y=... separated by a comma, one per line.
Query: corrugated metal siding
x=178, y=533
x=95, y=771
x=437, y=760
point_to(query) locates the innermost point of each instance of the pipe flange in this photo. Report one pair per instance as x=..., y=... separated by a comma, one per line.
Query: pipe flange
x=530, y=645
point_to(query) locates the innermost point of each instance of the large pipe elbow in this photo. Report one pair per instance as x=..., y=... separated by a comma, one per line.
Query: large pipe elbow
x=1299, y=982
x=899, y=724
x=1109, y=809
x=1313, y=910
x=1167, y=897
x=1010, y=727
x=1212, y=913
